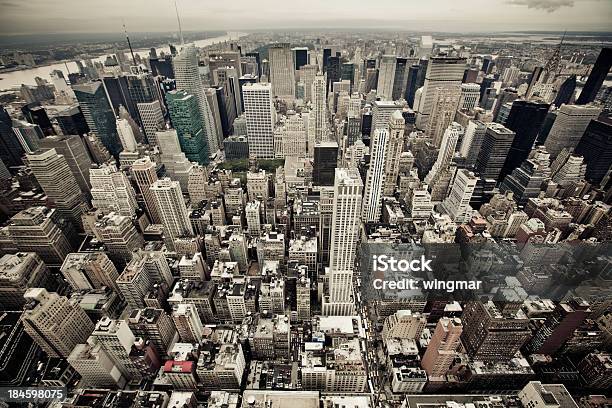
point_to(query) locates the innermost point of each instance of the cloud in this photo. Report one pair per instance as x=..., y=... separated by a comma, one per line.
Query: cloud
x=548, y=5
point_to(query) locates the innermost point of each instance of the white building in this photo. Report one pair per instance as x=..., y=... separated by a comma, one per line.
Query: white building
x=126, y=135
x=386, y=76
x=111, y=191
x=152, y=119
x=172, y=210
x=260, y=119
x=470, y=95
x=343, y=245
x=457, y=204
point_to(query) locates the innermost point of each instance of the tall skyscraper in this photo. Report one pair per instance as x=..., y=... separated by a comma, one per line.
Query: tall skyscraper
x=470, y=95
x=116, y=338
x=472, y=142
x=569, y=126
x=325, y=163
x=494, y=150
x=10, y=148
x=596, y=148
x=527, y=181
x=344, y=234
x=188, y=323
x=98, y=114
x=598, y=74
x=318, y=115
x=490, y=336
x=184, y=114
x=444, y=106
x=111, y=191
x=457, y=204
x=126, y=135
x=443, y=348
x=188, y=79
x=282, y=71
x=442, y=72
x=172, y=210
x=58, y=182
x=260, y=119
x=40, y=230
x=152, y=119
x=386, y=75
x=74, y=151
x=55, y=323
x=145, y=174
x=89, y=270
x=375, y=179
x=566, y=91
x=394, y=150
x=300, y=56
x=445, y=153
x=525, y=120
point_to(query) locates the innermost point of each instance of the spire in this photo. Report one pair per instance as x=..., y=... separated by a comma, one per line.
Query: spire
x=129, y=43
x=553, y=67
x=178, y=18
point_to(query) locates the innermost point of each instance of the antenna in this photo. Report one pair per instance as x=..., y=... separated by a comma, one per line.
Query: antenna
x=179, y=23
x=129, y=43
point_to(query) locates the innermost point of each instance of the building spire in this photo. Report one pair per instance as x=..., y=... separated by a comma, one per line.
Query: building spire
x=178, y=18
x=129, y=43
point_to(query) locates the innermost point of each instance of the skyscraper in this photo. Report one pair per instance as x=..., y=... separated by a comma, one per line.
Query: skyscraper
x=318, y=116
x=89, y=270
x=184, y=114
x=282, y=71
x=457, y=204
x=126, y=135
x=569, y=126
x=260, y=119
x=566, y=91
x=344, y=233
x=74, y=151
x=300, y=56
x=526, y=181
x=116, y=338
x=145, y=174
x=394, y=150
x=443, y=347
x=494, y=150
x=188, y=79
x=386, y=75
x=172, y=210
x=375, y=179
x=98, y=114
x=58, y=182
x=596, y=148
x=525, y=120
x=490, y=336
x=111, y=191
x=596, y=77
x=55, y=323
x=325, y=163
x=442, y=72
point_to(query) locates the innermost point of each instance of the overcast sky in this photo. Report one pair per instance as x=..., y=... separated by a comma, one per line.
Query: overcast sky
x=64, y=16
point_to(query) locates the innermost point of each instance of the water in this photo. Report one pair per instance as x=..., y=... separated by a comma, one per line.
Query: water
x=16, y=78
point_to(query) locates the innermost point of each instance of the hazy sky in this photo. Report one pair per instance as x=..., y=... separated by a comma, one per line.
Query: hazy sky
x=62, y=16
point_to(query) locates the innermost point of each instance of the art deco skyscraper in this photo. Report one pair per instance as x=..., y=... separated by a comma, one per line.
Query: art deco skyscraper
x=188, y=79
x=260, y=119
x=58, y=182
x=282, y=72
x=172, y=210
x=344, y=234
x=457, y=204
x=375, y=179
x=55, y=323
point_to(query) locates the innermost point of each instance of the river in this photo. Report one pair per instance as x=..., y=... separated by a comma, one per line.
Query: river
x=26, y=76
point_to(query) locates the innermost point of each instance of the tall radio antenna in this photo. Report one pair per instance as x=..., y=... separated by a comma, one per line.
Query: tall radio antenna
x=129, y=43
x=178, y=18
